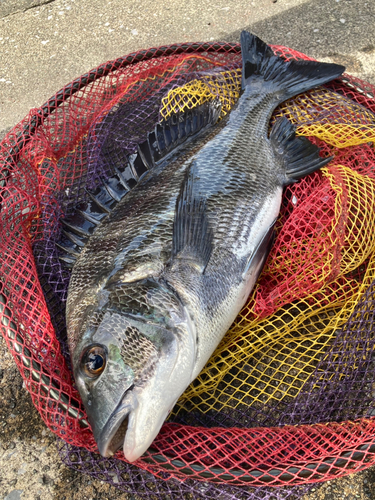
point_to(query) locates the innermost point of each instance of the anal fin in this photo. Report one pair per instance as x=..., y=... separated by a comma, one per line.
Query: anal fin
x=297, y=154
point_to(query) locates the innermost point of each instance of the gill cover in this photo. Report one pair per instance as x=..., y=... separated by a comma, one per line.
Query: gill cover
x=150, y=350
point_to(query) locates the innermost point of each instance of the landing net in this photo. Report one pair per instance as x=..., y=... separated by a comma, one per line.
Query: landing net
x=287, y=398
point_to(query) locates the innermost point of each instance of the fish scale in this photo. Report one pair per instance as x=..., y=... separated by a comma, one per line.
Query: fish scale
x=177, y=256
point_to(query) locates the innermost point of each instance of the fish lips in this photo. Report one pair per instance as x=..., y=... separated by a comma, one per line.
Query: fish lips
x=110, y=438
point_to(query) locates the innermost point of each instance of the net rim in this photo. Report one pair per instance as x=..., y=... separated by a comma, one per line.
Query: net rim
x=291, y=474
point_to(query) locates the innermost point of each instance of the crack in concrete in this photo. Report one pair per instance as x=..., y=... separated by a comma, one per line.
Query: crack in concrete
x=22, y=11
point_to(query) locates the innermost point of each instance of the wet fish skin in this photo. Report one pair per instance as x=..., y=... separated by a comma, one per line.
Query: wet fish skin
x=165, y=274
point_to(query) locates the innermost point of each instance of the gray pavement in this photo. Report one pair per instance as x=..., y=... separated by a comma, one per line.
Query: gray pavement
x=45, y=44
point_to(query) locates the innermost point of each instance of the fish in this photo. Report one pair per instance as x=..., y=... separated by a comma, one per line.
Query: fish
x=167, y=269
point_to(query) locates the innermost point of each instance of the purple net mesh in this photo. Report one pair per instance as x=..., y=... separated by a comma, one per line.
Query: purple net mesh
x=143, y=485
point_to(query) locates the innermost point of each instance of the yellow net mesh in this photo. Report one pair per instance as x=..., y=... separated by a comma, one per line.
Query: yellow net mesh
x=225, y=86
x=333, y=118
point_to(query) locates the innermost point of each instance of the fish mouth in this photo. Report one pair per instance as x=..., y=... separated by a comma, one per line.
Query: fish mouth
x=112, y=436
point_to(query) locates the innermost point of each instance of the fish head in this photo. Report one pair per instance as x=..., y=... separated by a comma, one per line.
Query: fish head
x=133, y=362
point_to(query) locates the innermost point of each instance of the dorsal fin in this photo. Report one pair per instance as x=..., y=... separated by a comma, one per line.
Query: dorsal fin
x=179, y=128
x=166, y=137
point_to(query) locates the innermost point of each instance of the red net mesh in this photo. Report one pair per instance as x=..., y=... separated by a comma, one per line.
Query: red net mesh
x=299, y=407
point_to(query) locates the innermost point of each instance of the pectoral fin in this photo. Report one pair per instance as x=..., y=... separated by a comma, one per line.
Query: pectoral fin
x=192, y=235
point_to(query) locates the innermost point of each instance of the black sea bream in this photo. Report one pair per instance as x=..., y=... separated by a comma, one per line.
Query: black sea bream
x=167, y=271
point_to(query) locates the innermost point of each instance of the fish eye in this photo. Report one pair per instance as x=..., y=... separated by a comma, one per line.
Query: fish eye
x=94, y=361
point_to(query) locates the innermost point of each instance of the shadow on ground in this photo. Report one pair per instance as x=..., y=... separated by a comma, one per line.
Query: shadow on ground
x=322, y=30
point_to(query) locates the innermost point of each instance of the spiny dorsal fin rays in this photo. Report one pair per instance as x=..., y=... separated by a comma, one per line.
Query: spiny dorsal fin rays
x=166, y=138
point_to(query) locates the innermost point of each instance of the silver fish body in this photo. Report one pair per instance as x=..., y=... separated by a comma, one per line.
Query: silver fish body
x=165, y=274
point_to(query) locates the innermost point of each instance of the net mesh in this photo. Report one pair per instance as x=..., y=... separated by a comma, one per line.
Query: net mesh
x=287, y=397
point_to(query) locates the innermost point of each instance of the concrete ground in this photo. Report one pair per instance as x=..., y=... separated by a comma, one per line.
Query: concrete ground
x=44, y=44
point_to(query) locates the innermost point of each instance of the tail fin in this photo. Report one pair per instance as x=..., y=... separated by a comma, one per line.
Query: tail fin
x=292, y=77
